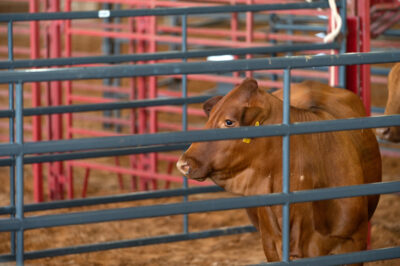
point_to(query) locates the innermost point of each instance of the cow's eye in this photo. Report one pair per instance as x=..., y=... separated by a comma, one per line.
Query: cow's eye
x=228, y=123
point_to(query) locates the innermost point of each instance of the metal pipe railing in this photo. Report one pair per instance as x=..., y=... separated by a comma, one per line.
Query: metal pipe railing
x=112, y=59
x=160, y=11
x=119, y=71
x=108, y=215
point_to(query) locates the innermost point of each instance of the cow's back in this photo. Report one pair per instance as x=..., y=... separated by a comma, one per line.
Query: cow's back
x=342, y=104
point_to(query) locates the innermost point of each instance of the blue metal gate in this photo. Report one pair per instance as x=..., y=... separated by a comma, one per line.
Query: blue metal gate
x=20, y=152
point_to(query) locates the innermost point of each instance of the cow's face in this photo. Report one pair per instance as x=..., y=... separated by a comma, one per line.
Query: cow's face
x=222, y=159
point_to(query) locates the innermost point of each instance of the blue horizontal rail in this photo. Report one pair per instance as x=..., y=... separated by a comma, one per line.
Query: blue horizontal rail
x=113, y=199
x=161, y=11
x=198, y=135
x=120, y=71
x=96, y=154
x=132, y=243
x=109, y=215
x=61, y=109
x=113, y=59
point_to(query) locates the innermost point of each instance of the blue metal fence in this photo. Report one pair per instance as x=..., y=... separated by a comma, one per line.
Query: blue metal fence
x=20, y=152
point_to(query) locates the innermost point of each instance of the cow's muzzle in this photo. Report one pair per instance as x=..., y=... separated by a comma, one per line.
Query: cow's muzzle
x=183, y=167
x=389, y=133
x=191, y=168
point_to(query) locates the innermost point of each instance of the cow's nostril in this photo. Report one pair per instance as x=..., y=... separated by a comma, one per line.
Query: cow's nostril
x=383, y=132
x=183, y=167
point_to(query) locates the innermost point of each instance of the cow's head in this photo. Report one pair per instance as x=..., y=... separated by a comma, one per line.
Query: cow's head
x=220, y=160
x=392, y=105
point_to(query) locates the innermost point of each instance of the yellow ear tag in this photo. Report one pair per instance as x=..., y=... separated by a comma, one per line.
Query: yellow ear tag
x=248, y=140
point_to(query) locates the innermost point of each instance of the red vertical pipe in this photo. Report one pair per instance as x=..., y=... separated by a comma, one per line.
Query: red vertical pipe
x=363, y=9
x=85, y=182
x=119, y=175
x=141, y=94
x=36, y=120
x=152, y=48
x=50, y=177
x=55, y=130
x=249, y=32
x=352, y=77
x=132, y=96
x=234, y=29
x=68, y=92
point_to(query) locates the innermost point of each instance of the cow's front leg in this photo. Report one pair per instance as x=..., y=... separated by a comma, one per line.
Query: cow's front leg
x=271, y=236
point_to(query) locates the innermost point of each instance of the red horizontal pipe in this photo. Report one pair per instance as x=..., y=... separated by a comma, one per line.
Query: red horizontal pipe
x=172, y=39
x=299, y=72
x=394, y=154
x=178, y=110
x=5, y=124
x=17, y=29
x=177, y=94
x=149, y=3
x=18, y=50
x=103, y=119
x=379, y=79
x=102, y=88
x=95, y=133
x=193, y=41
x=6, y=138
x=176, y=127
x=130, y=171
x=233, y=80
x=168, y=157
x=384, y=6
x=385, y=44
x=91, y=99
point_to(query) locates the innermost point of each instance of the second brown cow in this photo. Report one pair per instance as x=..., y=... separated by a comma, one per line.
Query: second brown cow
x=319, y=160
x=392, y=105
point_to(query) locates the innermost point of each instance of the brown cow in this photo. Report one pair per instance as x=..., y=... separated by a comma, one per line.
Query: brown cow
x=392, y=105
x=317, y=160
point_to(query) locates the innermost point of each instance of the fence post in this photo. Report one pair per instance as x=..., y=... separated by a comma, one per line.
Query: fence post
x=11, y=130
x=184, y=112
x=19, y=206
x=286, y=167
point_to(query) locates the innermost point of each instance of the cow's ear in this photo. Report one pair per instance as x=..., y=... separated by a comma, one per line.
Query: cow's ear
x=209, y=104
x=251, y=115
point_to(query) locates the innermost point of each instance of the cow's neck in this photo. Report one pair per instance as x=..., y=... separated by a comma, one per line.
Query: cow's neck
x=252, y=180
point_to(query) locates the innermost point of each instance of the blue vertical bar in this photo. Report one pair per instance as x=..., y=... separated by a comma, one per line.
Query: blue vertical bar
x=184, y=112
x=106, y=47
x=19, y=164
x=11, y=129
x=286, y=166
x=343, y=44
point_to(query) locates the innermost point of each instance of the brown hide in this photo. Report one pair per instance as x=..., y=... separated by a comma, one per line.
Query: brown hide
x=392, y=105
x=316, y=161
